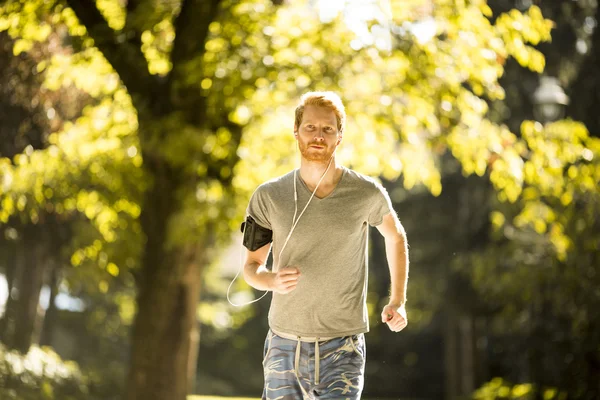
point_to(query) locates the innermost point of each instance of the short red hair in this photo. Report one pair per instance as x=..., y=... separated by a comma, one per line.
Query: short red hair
x=328, y=100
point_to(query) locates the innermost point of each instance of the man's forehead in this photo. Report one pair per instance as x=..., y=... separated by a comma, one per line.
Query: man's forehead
x=312, y=112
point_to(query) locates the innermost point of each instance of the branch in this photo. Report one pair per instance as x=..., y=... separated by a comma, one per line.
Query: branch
x=125, y=57
x=191, y=29
x=131, y=6
x=191, y=32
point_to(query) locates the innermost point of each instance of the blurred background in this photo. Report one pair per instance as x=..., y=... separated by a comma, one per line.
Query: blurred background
x=133, y=132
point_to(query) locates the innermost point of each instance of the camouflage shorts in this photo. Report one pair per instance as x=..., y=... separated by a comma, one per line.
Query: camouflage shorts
x=292, y=376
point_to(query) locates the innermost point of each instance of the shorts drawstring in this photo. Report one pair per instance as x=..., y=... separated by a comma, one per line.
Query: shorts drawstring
x=317, y=360
x=297, y=361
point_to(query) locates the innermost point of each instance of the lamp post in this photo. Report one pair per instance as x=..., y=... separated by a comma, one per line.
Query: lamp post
x=549, y=100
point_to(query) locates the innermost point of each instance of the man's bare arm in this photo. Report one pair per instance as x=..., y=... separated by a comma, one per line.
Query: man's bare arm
x=396, y=249
x=257, y=275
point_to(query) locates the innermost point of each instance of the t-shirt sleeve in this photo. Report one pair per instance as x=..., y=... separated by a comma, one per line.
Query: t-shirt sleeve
x=381, y=205
x=258, y=208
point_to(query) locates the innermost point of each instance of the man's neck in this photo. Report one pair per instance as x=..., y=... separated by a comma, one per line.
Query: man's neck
x=311, y=172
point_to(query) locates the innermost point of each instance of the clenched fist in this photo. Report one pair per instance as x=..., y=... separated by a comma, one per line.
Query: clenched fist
x=395, y=317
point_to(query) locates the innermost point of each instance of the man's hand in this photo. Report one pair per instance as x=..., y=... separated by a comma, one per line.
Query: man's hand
x=285, y=280
x=395, y=317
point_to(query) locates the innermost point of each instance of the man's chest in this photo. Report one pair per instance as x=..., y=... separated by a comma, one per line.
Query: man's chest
x=342, y=215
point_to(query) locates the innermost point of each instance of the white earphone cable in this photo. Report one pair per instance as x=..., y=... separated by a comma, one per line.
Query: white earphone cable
x=294, y=223
x=238, y=274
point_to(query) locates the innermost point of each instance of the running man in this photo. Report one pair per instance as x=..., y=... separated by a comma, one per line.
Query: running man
x=318, y=217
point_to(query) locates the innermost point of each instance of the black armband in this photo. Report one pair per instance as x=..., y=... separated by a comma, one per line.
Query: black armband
x=255, y=236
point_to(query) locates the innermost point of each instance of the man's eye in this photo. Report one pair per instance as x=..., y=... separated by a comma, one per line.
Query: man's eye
x=328, y=128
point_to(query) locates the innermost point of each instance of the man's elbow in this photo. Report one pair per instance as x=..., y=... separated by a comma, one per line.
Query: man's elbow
x=396, y=238
x=252, y=265
x=249, y=270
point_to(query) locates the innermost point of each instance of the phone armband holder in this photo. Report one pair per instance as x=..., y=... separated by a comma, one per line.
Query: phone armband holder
x=255, y=236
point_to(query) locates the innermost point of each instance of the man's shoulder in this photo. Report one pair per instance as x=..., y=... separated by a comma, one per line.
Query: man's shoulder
x=361, y=180
x=275, y=184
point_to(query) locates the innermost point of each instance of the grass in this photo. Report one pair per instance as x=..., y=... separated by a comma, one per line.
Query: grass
x=232, y=398
x=220, y=398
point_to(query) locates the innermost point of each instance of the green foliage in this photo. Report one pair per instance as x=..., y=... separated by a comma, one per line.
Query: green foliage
x=39, y=375
x=541, y=272
x=405, y=100
x=406, y=106
x=409, y=102
x=33, y=21
x=555, y=205
x=399, y=103
x=499, y=389
x=561, y=176
x=90, y=169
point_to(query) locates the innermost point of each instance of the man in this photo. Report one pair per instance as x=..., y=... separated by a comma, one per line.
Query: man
x=318, y=218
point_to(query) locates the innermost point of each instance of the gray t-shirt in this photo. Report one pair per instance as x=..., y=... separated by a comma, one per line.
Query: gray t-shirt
x=328, y=246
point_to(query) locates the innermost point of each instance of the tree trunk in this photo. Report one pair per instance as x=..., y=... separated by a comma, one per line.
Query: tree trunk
x=161, y=351
x=49, y=320
x=14, y=265
x=167, y=299
x=11, y=263
x=22, y=306
x=481, y=351
x=30, y=286
x=460, y=355
x=193, y=357
x=467, y=359
x=451, y=358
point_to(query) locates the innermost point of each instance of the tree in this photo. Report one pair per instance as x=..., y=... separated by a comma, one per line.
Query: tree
x=29, y=115
x=525, y=289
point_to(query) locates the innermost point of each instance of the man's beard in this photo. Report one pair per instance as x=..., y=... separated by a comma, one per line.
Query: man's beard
x=317, y=155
